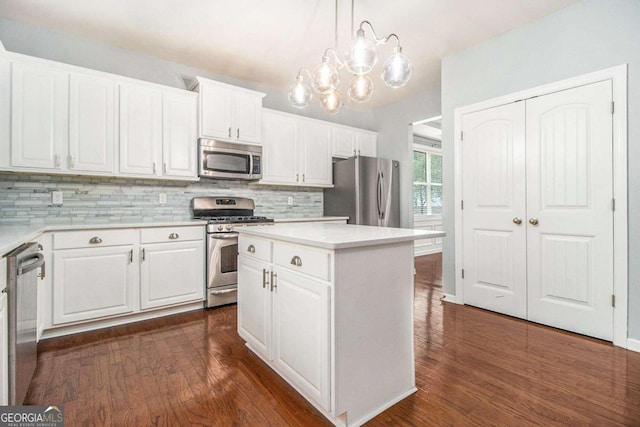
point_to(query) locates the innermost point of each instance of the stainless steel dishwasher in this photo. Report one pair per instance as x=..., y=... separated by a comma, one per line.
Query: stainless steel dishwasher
x=21, y=290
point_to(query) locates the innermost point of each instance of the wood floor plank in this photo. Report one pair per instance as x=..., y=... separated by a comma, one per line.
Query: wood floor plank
x=473, y=368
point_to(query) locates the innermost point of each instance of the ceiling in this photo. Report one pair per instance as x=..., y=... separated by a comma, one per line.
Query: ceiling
x=267, y=41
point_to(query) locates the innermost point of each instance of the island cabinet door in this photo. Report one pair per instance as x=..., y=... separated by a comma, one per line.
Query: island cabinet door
x=301, y=336
x=254, y=304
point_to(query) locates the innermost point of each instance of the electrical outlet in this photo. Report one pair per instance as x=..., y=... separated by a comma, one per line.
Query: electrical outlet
x=56, y=197
x=162, y=198
x=290, y=201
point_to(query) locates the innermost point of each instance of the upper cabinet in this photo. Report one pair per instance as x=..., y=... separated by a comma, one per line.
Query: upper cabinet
x=348, y=142
x=57, y=118
x=229, y=113
x=296, y=150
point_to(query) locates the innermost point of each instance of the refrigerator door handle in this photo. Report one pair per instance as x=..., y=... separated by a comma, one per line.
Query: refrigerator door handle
x=383, y=203
x=379, y=196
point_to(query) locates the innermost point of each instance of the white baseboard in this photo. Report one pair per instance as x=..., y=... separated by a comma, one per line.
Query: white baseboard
x=450, y=298
x=633, y=345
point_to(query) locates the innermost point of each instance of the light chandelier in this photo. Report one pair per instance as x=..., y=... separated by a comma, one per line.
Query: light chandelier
x=359, y=59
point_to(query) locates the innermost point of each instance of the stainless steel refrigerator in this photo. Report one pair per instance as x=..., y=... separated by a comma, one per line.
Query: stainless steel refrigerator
x=366, y=190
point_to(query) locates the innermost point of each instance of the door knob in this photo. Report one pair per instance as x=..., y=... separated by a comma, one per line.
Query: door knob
x=517, y=220
x=533, y=221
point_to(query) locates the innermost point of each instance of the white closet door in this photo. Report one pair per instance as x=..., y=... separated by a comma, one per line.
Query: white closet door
x=569, y=193
x=493, y=175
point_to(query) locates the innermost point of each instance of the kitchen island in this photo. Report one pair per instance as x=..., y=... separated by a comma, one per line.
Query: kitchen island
x=329, y=307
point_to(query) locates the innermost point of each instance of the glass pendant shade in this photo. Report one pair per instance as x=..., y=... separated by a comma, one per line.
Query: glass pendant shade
x=361, y=55
x=331, y=101
x=361, y=88
x=325, y=77
x=299, y=94
x=396, y=70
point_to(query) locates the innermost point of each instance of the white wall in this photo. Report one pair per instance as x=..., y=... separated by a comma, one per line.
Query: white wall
x=585, y=37
x=57, y=46
x=395, y=140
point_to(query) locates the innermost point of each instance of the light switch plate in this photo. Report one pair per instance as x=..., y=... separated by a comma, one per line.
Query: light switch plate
x=56, y=197
x=290, y=201
x=162, y=198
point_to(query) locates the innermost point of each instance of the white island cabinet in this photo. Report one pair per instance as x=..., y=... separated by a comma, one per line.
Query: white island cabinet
x=330, y=308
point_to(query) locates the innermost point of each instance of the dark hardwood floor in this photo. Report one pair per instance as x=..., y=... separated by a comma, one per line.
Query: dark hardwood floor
x=473, y=368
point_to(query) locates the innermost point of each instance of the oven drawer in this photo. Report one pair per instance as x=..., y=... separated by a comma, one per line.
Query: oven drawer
x=314, y=262
x=255, y=248
x=171, y=234
x=94, y=238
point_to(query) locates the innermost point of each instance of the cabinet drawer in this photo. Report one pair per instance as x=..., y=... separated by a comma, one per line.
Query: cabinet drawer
x=171, y=234
x=314, y=262
x=94, y=238
x=254, y=248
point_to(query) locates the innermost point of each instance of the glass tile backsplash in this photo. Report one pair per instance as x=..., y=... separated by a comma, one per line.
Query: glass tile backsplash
x=26, y=198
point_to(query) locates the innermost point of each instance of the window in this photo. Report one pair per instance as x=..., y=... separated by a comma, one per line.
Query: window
x=427, y=182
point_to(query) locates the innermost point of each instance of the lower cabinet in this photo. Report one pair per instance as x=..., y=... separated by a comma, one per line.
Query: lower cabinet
x=93, y=283
x=284, y=316
x=171, y=273
x=4, y=345
x=100, y=274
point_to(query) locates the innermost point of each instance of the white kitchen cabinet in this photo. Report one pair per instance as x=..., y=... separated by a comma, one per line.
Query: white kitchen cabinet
x=280, y=148
x=179, y=134
x=140, y=130
x=296, y=150
x=348, y=142
x=39, y=116
x=4, y=337
x=109, y=274
x=92, y=283
x=254, y=314
x=284, y=316
x=301, y=332
x=314, y=160
x=229, y=113
x=91, y=123
x=171, y=270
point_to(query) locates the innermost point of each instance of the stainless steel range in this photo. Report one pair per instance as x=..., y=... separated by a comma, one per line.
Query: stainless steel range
x=223, y=214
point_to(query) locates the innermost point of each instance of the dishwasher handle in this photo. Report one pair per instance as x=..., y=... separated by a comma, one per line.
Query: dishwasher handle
x=30, y=264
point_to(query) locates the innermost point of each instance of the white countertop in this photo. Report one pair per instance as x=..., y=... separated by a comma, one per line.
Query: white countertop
x=12, y=236
x=338, y=236
x=314, y=219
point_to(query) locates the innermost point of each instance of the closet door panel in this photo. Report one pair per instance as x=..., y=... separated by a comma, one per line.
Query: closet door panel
x=569, y=195
x=493, y=169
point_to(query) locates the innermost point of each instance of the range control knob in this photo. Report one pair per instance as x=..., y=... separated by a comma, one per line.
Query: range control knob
x=229, y=227
x=220, y=227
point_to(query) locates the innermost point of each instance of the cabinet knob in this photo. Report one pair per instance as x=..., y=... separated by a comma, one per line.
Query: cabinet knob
x=296, y=261
x=517, y=220
x=173, y=236
x=251, y=249
x=533, y=221
x=95, y=241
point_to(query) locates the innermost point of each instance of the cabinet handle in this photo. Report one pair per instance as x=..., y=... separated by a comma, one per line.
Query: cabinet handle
x=143, y=254
x=274, y=286
x=302, y=177
x=72, y=162
x=131, y=256
x=251, y=249
x=229, y=131
x=297, y=175
x=238, y=133
x=95, y=241
x=265, y=277
x=173, y=236
x=296, y=261
x=56, y=160
x=154, y=167
x=164, y=168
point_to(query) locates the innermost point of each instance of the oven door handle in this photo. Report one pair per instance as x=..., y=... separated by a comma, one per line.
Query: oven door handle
x=225, y=291
x=250, y=163
x=223, y=236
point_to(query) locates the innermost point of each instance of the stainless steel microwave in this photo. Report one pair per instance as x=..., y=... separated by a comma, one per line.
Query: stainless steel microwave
x=229, y=160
